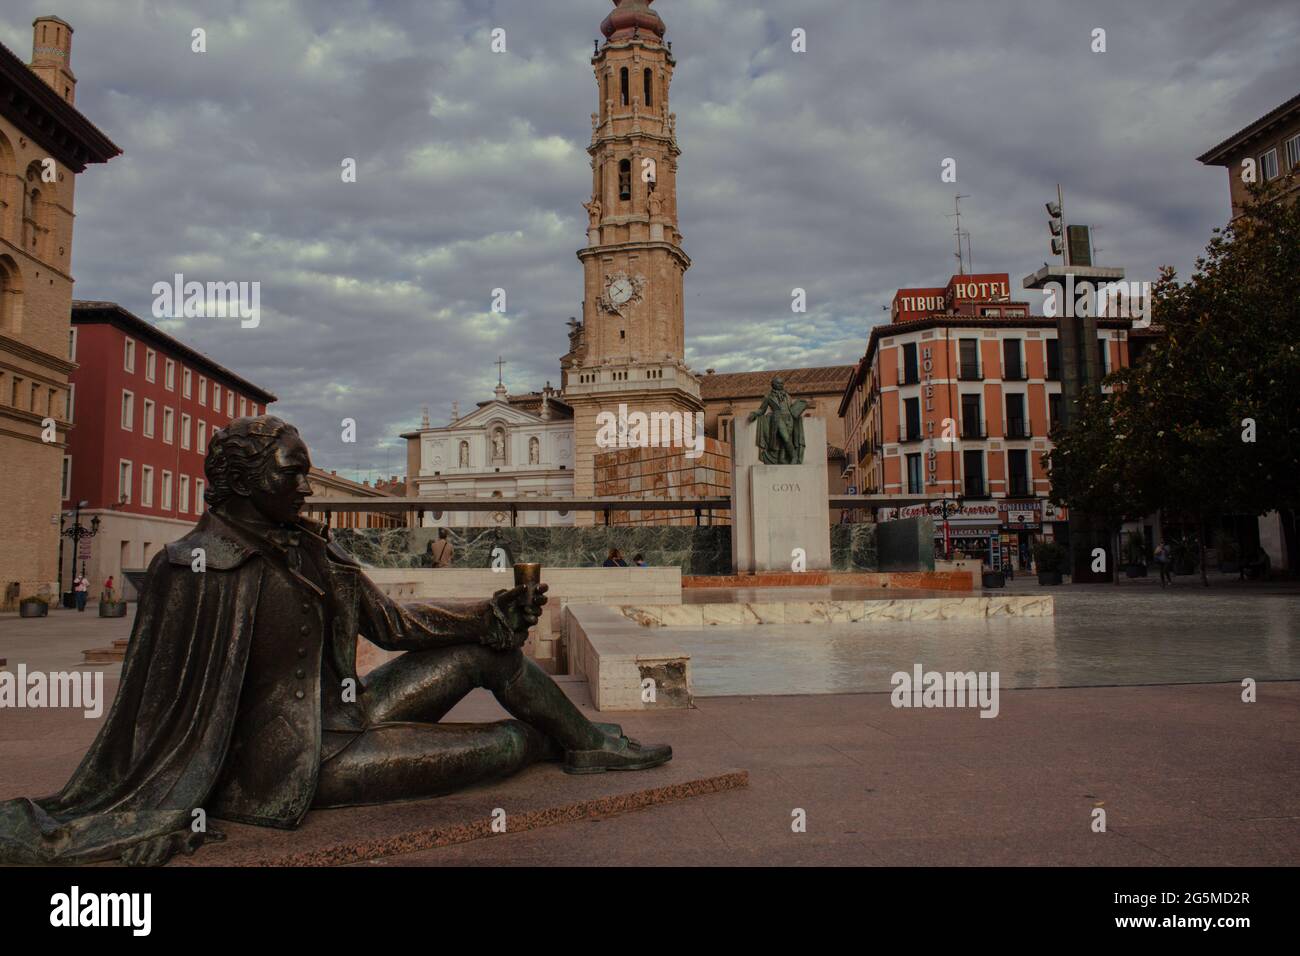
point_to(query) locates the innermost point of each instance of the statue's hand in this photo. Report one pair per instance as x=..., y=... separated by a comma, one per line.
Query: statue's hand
x=514, y=612
x=752, y=416
x=159, y=850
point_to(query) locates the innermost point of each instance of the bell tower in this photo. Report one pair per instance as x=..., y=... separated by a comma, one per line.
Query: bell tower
x=631, y=345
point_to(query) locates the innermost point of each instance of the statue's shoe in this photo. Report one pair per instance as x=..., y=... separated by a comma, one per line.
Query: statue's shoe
x=622, y=753
x=555, y=752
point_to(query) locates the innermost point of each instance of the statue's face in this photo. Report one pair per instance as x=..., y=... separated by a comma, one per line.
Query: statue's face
x=778, y=385
x=279, y=492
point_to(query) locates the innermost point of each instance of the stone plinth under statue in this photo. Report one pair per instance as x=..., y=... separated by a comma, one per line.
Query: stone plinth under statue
x=778, y=508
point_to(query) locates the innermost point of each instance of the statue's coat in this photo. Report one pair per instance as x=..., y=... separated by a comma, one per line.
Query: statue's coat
x=167, y=740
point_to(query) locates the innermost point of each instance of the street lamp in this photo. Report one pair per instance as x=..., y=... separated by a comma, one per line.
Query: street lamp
x=75, y=534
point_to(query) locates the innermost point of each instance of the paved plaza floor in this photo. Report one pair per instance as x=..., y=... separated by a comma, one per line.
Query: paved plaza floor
x=1128, y=701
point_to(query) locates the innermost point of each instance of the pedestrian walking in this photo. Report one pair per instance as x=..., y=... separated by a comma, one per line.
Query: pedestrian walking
x=1162, y=557
x=81, y=588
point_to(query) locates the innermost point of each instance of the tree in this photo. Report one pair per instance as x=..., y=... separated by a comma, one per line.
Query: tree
x=1208, y=423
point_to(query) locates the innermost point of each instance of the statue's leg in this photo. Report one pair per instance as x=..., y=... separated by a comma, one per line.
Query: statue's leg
x=782, y=441
x=404, y=761
x=423, y=685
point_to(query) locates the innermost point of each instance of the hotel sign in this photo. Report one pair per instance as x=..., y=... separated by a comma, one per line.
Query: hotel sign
x=912, y=304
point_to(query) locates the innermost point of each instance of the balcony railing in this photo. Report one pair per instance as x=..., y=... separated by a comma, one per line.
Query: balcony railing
x=910, y=377
x=907, y=435
x=1014, y=373
x=969, y=373
x=1017, y=428
x=1018, y=487
x=974, y=487
x=973, y=430
x=1053, y=371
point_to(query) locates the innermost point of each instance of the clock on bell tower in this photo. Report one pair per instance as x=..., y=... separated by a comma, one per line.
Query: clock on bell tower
x=631, y=346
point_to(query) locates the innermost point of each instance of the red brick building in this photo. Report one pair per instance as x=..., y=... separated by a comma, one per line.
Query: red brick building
x=144, y=406
x=955, y=399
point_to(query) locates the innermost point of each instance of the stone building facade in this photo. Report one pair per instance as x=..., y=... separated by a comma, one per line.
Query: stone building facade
x=508, y=447
x=1271, y=144
x=44, y=143
x=330, y=484
x=954, y=401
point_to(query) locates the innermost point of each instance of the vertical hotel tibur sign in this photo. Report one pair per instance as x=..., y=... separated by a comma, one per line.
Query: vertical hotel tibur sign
x=931, y=455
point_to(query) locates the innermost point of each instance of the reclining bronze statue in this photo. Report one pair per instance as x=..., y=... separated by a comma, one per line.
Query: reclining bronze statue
x=240, y=697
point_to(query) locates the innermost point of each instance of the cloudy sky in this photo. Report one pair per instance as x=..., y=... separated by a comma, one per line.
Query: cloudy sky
x=817, y=170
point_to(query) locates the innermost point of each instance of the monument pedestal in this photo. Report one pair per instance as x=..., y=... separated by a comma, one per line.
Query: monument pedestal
x=778, y=508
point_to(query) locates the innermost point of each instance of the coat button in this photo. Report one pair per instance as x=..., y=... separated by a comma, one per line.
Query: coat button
x=304, y=629
x=306, y=609
x=300, y=672
x=298, y=694
x=302, y=652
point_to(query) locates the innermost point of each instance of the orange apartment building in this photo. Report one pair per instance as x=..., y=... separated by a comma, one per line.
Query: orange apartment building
x=954, y=401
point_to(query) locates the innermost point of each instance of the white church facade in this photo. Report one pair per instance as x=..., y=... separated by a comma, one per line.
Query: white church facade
x=510, y=447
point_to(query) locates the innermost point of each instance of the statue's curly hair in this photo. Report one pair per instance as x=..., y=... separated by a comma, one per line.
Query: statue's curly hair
x=240, y=450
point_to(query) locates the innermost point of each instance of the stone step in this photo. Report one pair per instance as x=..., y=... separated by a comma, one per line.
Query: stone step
x=104, y=655
x=540, y=796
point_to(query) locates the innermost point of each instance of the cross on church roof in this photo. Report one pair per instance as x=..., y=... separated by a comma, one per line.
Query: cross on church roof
x=500, y=363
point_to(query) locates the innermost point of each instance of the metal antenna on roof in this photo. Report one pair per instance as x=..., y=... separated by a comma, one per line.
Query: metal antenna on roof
x=962, y=262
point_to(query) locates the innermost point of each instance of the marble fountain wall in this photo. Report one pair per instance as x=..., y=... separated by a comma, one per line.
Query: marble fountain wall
x=693, y=550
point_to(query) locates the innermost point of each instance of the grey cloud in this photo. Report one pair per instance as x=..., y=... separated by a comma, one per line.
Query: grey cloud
x=817, y=170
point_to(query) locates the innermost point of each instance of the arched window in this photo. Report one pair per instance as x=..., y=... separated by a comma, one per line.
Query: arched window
x=625, y=179
x=35, y=226
x=649, y=85
x=11, y=303
x=31, y=202
x=622, y=78
x=10, y=184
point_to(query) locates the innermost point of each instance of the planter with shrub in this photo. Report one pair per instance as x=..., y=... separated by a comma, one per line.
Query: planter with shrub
x=112, y=609
x=33, y=607
x=1049, y=559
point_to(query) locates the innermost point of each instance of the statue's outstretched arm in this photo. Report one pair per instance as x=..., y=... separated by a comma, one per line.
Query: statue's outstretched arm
x=501, y=621
x=421, y=625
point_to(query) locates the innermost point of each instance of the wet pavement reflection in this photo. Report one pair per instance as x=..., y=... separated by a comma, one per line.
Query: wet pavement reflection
x=1094, y=640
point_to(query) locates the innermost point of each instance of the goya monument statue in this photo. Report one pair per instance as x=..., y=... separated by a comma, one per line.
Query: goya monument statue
x=780, y=427
x=240, y=697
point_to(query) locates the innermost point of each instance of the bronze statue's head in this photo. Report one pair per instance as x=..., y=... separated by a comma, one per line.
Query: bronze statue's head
x=778, y=385
x=262, y=460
